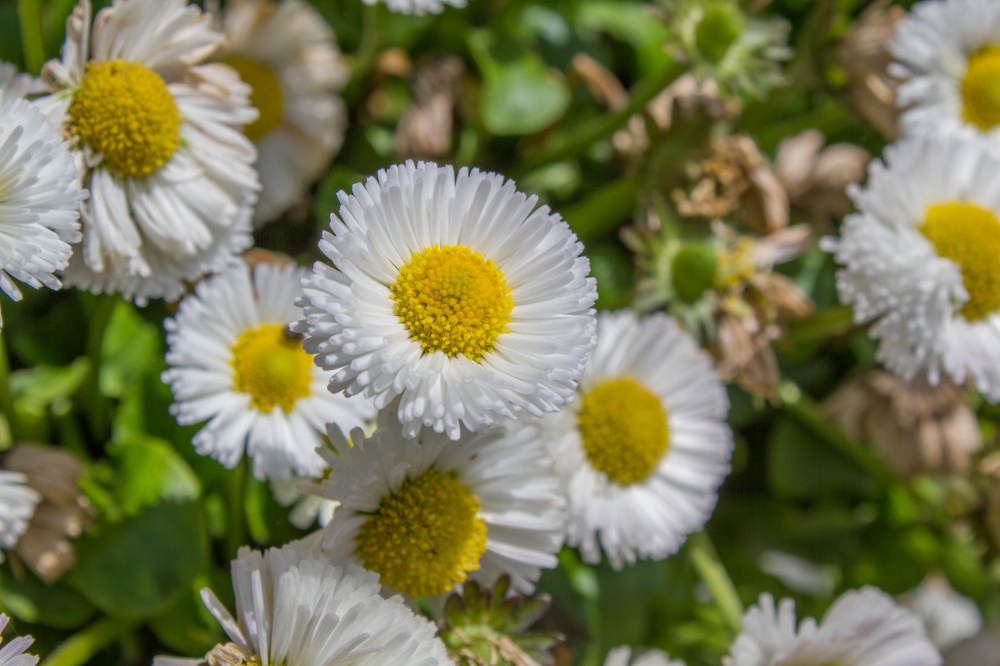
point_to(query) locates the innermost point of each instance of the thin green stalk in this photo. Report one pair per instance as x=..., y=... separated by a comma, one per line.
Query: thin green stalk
x=364, y=57
x=706, y=562
x=236, y=528
x=30, y=15
x=83, y=645
x=6, y=397
x=98, y=408
x=584, y=582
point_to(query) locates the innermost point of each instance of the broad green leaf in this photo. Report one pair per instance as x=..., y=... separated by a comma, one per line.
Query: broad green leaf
x=31, y=600
x=131, y=346
x=522, y=97
x=149, y=469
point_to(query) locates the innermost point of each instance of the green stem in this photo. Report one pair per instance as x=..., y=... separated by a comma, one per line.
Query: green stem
x=30, y=15
x=98, y=410
x=585, y=583
x=236, y=532
x=713, y=574
x=6, y=397
x=81, y=646
x=592, y=131
x=364, y=57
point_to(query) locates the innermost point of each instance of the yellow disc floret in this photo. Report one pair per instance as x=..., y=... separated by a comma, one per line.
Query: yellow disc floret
x=272, y=367
x=425, y=537
x=624, y=430
x=981, y=89
x=265, y=95
x=969, y=236
x=124, y=111
x=453, y=300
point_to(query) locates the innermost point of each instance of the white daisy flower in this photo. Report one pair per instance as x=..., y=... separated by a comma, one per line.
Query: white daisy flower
x=919, y=260
x=13, y=654
x=862, y=628
x=949, y=52
x=948, y=617
x=17, y=505
x=39, y=196
x=294, y=607
x=158, y=137
x=307, y=510
x=418, y=7
x=234, y=363
x=454, y=294
x=620, y=657
x=17, y=85
x=643, y=450
x=428, y=513
x=287, y=55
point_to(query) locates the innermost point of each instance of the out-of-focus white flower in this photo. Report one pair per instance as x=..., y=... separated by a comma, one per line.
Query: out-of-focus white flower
x=948, y=617
x=418, y=6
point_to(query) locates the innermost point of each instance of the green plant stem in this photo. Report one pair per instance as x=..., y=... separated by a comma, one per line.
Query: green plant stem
x=81, y=646
x=6, y=397
x=30, y=16
x=98, y=408
x=584, y=582
x=592, y=131
x=236, y=530
x=364, y=57
x=706, y=562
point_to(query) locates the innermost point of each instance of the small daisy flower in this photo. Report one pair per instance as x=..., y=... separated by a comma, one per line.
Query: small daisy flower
x=949, y=52
x=643, y=450
x=428, y=513
x=158, y=136
x=294, y=607
x=39, y=195
x=418, y=7
x=621, y=657
x=862, y=628
x=235, y=363
x=919, y=260
x=286, y=53
x=13, y=654
x=948, y=617
x=17, y=505
x=454, y=294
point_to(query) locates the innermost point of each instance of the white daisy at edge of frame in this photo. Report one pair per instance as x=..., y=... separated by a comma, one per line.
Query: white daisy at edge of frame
x=18, y=502
x=286, y=53
x=454, y=294
x=427, y=514
x=862, y=628
x=919, y=260
x=294, y=607
x=621, y=657
x=39, y=197
x=13, y=653
x=948, y=52
x=418, y=7
x=158, y=136
x=234, y=362
x=642, y=451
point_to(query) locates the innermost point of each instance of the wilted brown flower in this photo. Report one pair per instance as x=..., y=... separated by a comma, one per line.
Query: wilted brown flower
x=425, y=129
x=258, y=255
x=864, y=55
x=816, y=178
x=915, y=426
x=62, y=514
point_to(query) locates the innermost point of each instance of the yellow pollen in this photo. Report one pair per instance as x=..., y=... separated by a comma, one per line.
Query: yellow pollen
x=124, y=111
x=265, y=95
x=981, y=89
x=453, y=300
x=272, y=367
x=624, y=430
x=425, y=537
x=969, y=236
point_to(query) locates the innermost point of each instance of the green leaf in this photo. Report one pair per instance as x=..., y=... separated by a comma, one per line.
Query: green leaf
x=130, y=347
x=31, y=600
x=522, y=97
x=149, y=469
x=35, y=389
x=800, y=467
x=187, y=627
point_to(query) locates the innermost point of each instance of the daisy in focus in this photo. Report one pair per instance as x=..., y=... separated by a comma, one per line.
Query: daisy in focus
x=294, y=607
x=862, y=628
x=642, y=451
x=428, y=513
x=949, y=53
x=919, y=260
x=286, y=53
x=453, y=293
x=418, y=7
x=39, y=194
x=159, y=138
x=13, y=654
x=234, y=363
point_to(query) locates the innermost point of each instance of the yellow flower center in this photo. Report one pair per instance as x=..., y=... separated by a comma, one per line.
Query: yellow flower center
x=272, y=367
x=452, y=299
x=265, y=95
x=425, y=537
x=969, y=236
x=124, y=111
x=624, y=430
x=981, y=89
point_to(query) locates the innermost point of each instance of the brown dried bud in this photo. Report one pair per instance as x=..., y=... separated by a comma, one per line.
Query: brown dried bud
x=425, y=129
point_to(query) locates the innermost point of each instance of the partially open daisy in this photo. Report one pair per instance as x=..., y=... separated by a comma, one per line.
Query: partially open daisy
x=428, y=513
x=919, y=260
x=621, y=656
x=454, y=294
x=286, y=53
x=17, y=505
x=949, y=52
x=13, y=654
x=862, y=628
x=642, y=451
x=39, y=195
x=293, y=607
x=235, y=363
x=158, y=135
x=418, y=6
